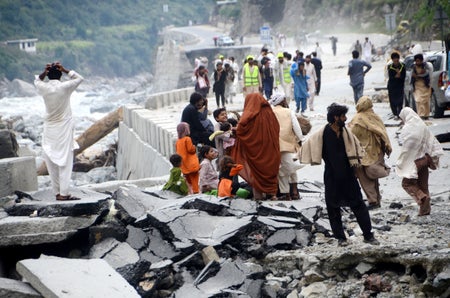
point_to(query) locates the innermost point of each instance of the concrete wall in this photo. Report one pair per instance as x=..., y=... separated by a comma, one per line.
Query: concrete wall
x=164, y=99
x=17, y=173
x=147, y=139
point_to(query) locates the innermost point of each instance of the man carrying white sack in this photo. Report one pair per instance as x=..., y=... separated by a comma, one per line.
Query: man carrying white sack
x=57, y=140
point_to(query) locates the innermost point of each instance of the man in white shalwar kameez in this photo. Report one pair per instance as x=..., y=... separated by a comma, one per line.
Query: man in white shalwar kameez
x=312, y=81
x=57, y=141
x=367, y=50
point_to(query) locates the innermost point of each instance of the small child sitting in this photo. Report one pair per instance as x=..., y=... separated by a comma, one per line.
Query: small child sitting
x=176, y=182
x=228, y=177
x=209, y=179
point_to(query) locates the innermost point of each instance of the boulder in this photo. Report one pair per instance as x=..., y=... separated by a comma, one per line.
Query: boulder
x=19, y=88
x=8, y=144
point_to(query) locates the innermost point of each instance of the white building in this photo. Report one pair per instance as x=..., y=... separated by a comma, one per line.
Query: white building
x=27, y=45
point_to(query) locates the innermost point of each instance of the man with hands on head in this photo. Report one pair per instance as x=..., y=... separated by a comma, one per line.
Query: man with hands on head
x=57, y=140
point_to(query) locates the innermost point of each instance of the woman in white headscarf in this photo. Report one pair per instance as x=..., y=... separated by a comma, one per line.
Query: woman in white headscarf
x=420, y=151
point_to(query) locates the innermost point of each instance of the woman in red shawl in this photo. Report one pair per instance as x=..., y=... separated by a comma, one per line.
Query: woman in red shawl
x=257, y=146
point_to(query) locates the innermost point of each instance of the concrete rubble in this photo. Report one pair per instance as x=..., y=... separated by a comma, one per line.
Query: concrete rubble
x=138, y=242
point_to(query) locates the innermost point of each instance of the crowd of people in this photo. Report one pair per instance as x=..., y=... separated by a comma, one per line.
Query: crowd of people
x=257, y=154
x=354, y=156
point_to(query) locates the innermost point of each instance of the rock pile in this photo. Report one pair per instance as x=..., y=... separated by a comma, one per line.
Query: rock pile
x=163, y=245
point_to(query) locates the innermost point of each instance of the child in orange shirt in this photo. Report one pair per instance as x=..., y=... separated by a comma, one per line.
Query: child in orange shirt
x=228, y=179
x=190, y=166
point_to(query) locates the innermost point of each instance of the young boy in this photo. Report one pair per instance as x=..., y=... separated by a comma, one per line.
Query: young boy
x=220, y=115
x=176, y=182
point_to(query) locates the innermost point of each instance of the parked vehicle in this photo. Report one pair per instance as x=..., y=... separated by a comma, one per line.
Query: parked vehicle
x=439, y=80
x=225, y=41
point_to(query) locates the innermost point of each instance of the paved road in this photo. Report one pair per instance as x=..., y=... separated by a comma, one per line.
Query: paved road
x=204, y=34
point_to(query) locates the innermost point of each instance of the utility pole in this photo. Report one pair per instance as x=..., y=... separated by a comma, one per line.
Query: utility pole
x=441, y=17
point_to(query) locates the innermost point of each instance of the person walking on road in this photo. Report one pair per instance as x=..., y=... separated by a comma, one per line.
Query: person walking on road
x=298, y=74
x=282, y=75
x=57, y=140
x=420, y=151
x=315, y=60
x=334, y=41
x=421, y=83
x=367, y=50
x=371, y=133
x=396, y=84
x=357, y=72
x=251, y=76
x=312, y=81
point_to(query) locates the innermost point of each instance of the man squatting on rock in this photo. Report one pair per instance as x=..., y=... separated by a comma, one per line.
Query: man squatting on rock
x=57, y=140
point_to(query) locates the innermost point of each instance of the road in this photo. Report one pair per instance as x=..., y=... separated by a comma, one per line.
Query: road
x=336, y=88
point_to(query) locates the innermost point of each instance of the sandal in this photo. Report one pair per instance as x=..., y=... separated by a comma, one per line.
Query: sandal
x=295, y=197
x=285, y=197
x=273, y=197
x=66, y=198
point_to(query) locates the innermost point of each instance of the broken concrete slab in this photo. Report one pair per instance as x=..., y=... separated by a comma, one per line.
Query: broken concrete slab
x=282, y=238
x=45, y=203
x=160, y=247
x=137, y=238
x=117, y=254
x=441, y=131
x=280, y=222
x=228, y=276
x=200, y=226
x=21, y=230
x=17, y=289
x=133, y=203
x=109, y=229
x=17, y=173
x=60, y=277
x=279, y=209
x=209, y=204
x=242, y=207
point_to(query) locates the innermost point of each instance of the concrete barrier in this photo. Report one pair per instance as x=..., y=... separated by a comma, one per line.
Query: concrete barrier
x=17, y=173
x=165, y=99
x=147, y=138
x=146, y=141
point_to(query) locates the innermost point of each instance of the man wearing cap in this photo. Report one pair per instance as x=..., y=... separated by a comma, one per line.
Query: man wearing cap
x=282, y=75
x=290, y=137
x=57, y=140
x=220, y=58
x=252, y=77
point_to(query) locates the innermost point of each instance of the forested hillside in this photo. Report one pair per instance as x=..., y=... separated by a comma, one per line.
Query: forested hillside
x=118, y=38
x=106, y=38
x=331, y=16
